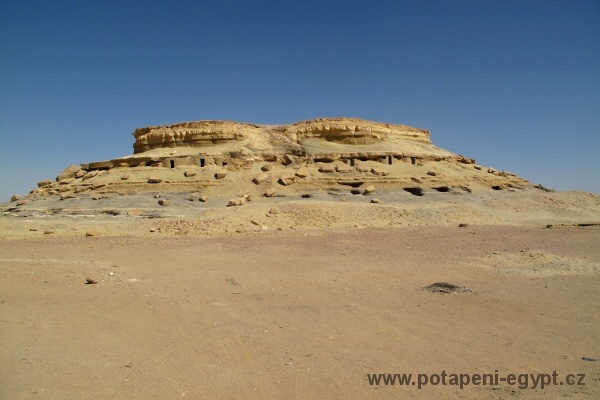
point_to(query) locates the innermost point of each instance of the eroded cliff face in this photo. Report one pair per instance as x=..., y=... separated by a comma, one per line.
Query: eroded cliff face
x=191, y=134
x=225, y=158
x=349, y=131
x=352, y=131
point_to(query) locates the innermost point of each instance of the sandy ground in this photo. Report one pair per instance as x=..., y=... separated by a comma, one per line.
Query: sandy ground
x=292, y=314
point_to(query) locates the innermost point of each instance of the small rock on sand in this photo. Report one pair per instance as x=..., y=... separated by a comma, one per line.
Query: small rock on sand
x=369, y=189
x=240, y=201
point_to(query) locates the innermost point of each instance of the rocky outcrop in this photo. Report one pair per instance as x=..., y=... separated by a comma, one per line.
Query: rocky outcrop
x=68, y=173
x=351, y=131
x=191, y=134
x=280, y=160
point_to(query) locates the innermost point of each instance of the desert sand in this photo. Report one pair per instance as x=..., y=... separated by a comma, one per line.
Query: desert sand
x=130, y=289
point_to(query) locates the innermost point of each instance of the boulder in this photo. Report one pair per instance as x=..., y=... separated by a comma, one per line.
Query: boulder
x=363, y=168
x=67, y=181
x=21, y=202
x=267, y=167
x=287, y=180
x=379, y=171
x=163, y=202
x=44, y=183
x=187, y=174
x=274, y=210
x=288, y=159
x=344, y=169
x=302, y=172
x=270, y=192
x=202, y=198
x=125, y=177
x=369, y=189
x=431, y=173
x=240, y=201
x=15, y=197
x=221, y=173
x=375, y=201
x=154, y=180
x=68, y=172
x=90, y=174
x=91, y=233
x=260, y=178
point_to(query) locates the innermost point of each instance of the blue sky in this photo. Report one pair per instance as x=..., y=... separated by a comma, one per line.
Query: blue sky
x=513, y=84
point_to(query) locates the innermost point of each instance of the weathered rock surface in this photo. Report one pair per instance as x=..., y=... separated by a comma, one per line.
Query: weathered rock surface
x=270, y=192
x=260, y=178
x=327, y=168
x=369, y=189
x=287, y=180
x=240, y=201
x=380, y=171
x=44, y=183
x=89, y=175
x=68, y=172
x=220, y=174
x=223, y=159
x=302, y=172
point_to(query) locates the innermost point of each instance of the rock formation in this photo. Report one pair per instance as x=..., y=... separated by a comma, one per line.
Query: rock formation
x=270, y=160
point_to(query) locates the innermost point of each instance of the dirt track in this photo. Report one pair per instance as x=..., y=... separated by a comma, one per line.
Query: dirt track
x=297, y=314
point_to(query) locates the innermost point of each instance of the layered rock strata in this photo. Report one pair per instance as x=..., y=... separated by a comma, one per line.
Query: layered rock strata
x=277, y=159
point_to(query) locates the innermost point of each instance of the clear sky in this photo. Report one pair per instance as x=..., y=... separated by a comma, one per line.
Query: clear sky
x=513, y=84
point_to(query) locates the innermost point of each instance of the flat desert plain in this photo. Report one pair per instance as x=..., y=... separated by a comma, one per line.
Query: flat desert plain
x=308, y=311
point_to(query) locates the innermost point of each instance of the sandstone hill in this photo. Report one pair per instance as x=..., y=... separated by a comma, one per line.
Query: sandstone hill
x=328, y=173
x=266, y=160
